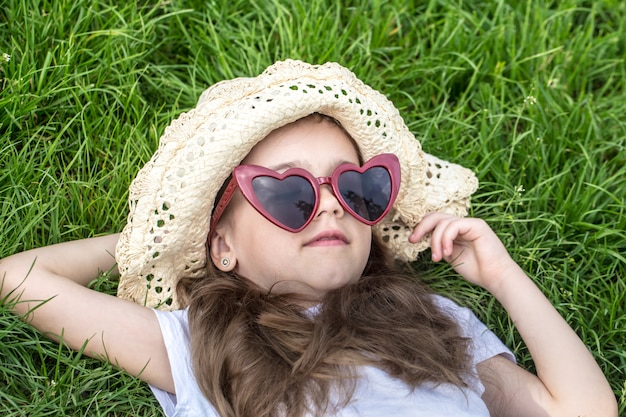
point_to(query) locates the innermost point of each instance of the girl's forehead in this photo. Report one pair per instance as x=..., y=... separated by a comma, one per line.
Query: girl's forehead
x=305, y=142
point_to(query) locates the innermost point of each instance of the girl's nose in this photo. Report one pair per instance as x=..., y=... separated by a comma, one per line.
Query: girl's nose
x=329, y=203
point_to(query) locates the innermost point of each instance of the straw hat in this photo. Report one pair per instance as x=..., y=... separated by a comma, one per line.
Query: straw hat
x=172, y=197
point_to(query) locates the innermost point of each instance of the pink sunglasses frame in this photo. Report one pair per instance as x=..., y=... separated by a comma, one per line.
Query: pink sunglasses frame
x=244, y=174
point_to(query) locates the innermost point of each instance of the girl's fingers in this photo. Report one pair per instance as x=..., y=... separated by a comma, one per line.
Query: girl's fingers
x=451, y=229
x=442, y=234
x=425, y=226
x=437, y=242
x=445, y=230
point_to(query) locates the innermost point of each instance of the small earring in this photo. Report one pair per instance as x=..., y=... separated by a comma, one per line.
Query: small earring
x=225, y=262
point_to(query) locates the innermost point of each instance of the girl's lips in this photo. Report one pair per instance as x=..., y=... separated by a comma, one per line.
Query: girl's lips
x=328, y=238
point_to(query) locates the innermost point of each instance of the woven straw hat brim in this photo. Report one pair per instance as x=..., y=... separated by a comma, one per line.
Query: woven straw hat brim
x=172, y=197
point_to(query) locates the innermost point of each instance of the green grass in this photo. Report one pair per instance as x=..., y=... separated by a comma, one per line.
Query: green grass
x=531, y=95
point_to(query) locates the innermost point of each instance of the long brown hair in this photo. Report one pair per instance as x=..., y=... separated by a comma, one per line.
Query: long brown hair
x=255, y=353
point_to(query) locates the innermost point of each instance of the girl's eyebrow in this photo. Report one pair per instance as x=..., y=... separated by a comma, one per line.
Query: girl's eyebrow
x=304, y=164
x=286, y=165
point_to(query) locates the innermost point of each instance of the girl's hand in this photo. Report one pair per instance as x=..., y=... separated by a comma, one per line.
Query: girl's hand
x=469, y=246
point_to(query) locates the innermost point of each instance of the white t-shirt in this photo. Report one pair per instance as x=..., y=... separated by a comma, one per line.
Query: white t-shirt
x=377, y=393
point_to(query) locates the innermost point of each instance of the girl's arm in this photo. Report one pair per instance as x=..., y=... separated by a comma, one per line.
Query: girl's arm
x=46, y=287
x=568, y=380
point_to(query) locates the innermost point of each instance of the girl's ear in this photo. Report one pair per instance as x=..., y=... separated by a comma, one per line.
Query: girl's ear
x=221, y=252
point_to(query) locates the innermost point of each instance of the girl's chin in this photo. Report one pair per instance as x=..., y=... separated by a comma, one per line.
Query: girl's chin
x=313, y=291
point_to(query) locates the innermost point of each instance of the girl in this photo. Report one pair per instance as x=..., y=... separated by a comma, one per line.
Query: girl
x=259, y=256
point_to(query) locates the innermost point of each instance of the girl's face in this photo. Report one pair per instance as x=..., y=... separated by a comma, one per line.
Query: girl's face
x=330, y=252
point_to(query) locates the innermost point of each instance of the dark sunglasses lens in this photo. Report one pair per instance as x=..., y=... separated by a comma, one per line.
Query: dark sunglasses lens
x=289, y=201
x=368, y=194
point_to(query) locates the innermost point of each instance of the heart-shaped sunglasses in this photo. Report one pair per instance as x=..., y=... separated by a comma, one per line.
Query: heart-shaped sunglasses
x=291, y=199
